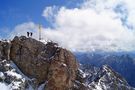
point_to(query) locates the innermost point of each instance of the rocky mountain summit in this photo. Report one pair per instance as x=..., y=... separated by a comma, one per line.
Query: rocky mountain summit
x=104, y=78
x=28, y=64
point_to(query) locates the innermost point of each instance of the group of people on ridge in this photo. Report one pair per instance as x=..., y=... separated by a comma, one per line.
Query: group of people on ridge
x=29, y=34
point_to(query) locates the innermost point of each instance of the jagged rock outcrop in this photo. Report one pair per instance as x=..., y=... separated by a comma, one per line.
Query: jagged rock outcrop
x=62, y=71
x=43, y=62
x=25, y=54
x=9, y=75
x=101, y=79
x=4, y=50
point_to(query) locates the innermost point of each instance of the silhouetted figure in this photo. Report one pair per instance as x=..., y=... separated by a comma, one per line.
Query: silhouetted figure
x=28, y=34
x=31, y=34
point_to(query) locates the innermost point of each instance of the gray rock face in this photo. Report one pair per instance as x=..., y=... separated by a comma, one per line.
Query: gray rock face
x=4, y=50
x=44, y=62
x=62, y=71
x=27, y=55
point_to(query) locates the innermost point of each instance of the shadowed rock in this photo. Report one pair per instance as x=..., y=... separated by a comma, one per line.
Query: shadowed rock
x=4, y=50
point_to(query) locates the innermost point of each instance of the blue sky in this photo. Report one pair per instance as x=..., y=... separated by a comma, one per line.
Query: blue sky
x=13, y=12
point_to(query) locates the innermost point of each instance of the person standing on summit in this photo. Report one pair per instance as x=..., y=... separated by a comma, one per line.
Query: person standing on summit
x=28, y=34
x=31, y=34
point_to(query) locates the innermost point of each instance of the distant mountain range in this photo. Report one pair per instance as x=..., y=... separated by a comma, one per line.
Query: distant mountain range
x=122, y=62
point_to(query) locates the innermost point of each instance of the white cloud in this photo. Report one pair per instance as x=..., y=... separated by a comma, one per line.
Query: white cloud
x=94, y=26
x=50, y=13
x=131, y=9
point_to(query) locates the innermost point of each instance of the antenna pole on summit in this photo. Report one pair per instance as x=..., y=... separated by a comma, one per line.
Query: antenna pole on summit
x=39, y=31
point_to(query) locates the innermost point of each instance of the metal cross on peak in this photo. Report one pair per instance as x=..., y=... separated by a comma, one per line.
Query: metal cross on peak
x=40, y=28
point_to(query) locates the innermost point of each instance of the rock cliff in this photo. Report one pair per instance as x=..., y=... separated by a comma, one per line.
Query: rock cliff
x=44, y=62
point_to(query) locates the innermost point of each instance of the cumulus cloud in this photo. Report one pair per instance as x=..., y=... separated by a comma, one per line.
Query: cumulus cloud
x=106, y=25
x=50, y=13
x=96, y=25
x=125, y=9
